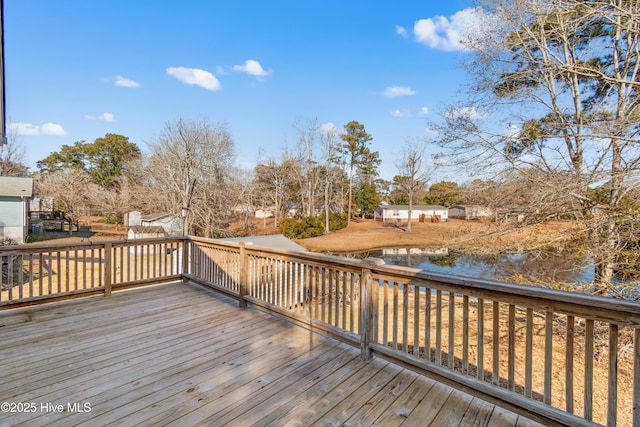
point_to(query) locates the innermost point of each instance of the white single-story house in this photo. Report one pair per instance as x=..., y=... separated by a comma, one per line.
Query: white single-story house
x=172, y=224
x=15, y=194
x=422, y=213
x=471, y=212
x=265, y=212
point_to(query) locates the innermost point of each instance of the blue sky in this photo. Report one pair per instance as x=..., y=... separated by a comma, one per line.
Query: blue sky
x=78, y=69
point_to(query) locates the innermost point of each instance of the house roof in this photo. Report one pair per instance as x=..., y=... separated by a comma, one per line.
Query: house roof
x=155, y=216
x=414, y=207
x=147, y=229
x=11, y=186
x=274, y=241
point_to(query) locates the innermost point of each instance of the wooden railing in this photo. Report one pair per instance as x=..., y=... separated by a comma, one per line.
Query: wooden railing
x=40, y=273
x=568, y=358
x=563, y=358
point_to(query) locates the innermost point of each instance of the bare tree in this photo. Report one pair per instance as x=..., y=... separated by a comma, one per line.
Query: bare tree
x=309, y=176
x=12, y=159
x=555, y=91
x=191, y=168
x=71, y=190
x=278, y=181
x=331, y=151
x=413, y=172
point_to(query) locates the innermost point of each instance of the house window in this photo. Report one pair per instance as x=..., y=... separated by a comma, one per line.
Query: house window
x=396, y=213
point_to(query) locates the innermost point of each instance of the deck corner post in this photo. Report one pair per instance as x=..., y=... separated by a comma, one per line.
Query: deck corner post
x=636, y=377
x=107, y=269
x=244, y=276
x=368, y=308
x=185, y=259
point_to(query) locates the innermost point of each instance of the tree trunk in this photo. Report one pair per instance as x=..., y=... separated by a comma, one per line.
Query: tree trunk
x=605, y=257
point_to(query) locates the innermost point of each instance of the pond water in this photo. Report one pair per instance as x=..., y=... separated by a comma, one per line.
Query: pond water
x=556, y=266
x=549, y=267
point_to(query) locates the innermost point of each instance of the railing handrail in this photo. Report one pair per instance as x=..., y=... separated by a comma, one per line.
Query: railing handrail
x=40, y=247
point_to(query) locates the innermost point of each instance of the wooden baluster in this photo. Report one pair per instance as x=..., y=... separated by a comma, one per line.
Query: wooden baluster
x=405, y=317
x=548, y=356
x=528, y=358
x=512, y=348
x=439, y=327
x=588, y=370
x=452, y=333
x=636, y=377
x=612, y=394
x=107, y=269
x=416, y=320
x=568, y=379
x=244, y=275
x=465, y=334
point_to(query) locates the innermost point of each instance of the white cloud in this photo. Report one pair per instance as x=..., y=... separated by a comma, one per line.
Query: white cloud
x=448, y=33
x=105, y=117
x=125, y=82
x=423, y=111
x=394, y=91
x=28, y=129
x=401, y=31
x=252, y=68
x=329, y=128
x=401, y=113
x=195, y=76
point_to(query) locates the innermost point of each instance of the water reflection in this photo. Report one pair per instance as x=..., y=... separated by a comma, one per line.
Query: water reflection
x=559, y=269
x=553, y=266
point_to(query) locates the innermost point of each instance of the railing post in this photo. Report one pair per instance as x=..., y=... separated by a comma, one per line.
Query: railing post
x=636, y=377
x=185, y=259
x=368, y=307
x=107, y=269
x=244, y=275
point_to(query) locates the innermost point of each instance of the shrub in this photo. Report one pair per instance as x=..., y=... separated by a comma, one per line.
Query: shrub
x=337, y=221
x=305, y=228
x=311, y=226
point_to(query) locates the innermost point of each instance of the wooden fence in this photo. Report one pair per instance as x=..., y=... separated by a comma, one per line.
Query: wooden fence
x=41, y=273
x=566, y=358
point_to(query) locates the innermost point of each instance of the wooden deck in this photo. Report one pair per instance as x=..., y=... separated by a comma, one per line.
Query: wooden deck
x=183, y=355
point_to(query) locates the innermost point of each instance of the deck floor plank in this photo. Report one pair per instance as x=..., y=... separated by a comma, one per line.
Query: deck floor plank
x=405, y=403
x=271, y=390
x=379, y=404
x=118, y=319
x=187, y=384
x=163, y=373
x=180, y=354
x=105, y=365
x=93, y=341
